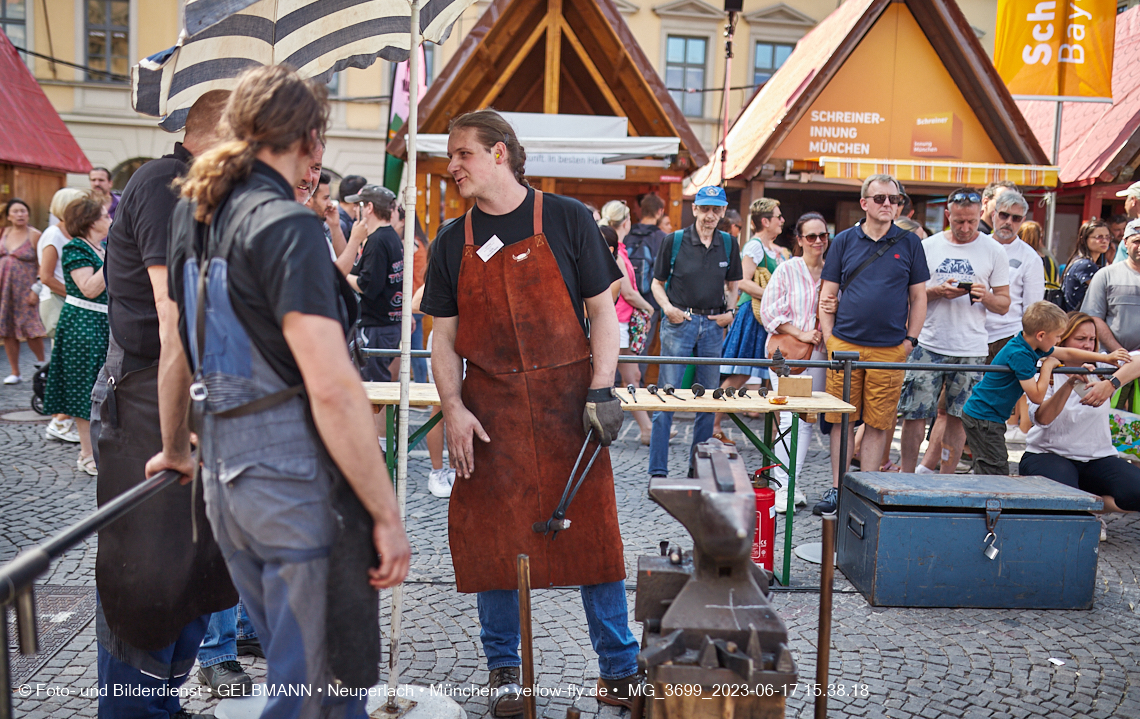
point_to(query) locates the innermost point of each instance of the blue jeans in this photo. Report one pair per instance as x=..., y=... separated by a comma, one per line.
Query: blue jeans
x=606, y=614
x=419, y=364
x=155, y=673
x=220, y=643
x=698, y=337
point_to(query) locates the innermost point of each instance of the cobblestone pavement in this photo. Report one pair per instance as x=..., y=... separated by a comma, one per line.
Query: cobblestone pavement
x=898, y=663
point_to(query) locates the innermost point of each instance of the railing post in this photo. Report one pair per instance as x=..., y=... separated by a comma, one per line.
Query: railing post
x=5, y=675
x=844, y=423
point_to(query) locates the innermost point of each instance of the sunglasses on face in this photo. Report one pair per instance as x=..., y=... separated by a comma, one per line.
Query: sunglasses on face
x=964, y=198
x=883, y=199
x=1007, y=216
x=817, y=238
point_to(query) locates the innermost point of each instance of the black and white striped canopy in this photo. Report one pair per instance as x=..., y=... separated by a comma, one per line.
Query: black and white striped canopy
x=317, y=37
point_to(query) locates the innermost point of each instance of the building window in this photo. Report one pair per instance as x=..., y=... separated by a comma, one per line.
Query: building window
x=334, y=85
x=685, y=70
x=13, y=15
x=108, y=39
x=768, y=59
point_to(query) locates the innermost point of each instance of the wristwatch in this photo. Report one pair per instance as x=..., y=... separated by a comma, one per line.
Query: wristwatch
x=1115, y=382
x=913, y=341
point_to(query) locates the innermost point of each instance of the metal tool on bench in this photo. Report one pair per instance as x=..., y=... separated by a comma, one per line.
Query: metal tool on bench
x=780, y=368
x=698, y=389
x=558, y=521
x=672, y=392
x=730, y=392
x=632, y=389
x=743, y=393
x=653, y=390
x=706, y=614
x=718, y=393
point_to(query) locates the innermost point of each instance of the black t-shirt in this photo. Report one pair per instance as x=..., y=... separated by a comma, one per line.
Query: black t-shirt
x=584, y=259
x=138, y=240
x=700, y=272
x=281, y=266
x=380, y=276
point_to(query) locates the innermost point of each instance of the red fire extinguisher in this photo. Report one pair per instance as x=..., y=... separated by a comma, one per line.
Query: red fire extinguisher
x=765, y=537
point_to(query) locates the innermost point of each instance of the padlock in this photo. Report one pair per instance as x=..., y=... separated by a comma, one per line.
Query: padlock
x=991, y=551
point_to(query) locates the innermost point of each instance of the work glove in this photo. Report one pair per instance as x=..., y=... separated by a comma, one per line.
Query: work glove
x=604, y=414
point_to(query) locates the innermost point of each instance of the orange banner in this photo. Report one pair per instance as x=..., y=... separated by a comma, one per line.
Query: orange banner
x=1056, y=47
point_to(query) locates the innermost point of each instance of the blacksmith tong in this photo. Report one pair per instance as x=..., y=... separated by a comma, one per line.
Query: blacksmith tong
x=558, y=521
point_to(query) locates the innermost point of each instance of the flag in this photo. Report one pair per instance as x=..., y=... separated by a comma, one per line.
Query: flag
x=316, y=37
x=1056, y=47
x=398, y=115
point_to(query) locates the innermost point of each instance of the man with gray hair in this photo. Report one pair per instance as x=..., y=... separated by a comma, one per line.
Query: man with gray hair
x=992, y=190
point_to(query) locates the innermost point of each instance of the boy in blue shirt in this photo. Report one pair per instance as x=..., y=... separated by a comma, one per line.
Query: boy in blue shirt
x=991, y=403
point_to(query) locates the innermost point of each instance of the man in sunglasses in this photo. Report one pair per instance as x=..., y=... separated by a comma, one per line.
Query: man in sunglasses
x=1026, y=270
x=969, y=277
x=986, y=225
x=881, y=271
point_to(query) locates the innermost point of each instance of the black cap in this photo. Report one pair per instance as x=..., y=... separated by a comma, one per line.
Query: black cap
x=380, y=197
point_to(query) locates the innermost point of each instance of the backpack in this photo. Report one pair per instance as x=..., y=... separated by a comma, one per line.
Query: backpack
x=725, y=239
x=642, y=260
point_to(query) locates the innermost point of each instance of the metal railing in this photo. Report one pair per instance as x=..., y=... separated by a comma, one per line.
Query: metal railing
x=17, y=577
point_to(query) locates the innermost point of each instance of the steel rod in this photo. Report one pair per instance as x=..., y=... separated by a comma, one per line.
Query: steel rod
x=823, y=642
x=821, y=364
x=529, y=707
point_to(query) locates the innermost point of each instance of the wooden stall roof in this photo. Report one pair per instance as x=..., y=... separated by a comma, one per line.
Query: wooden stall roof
x=1099, y=141
x=780, y=104
x=31, y=131
x=554, y=56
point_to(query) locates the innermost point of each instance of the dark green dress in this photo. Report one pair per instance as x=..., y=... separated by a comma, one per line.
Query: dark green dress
x=80, y=341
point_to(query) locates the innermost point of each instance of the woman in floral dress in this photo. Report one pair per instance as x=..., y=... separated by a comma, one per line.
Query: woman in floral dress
x=82, y=333
x=19, y=306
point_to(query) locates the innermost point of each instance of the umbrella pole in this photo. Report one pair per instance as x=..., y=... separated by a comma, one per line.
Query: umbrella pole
x=405, y=336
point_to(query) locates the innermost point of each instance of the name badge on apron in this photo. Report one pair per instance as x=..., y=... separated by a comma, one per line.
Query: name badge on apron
x=489, y=248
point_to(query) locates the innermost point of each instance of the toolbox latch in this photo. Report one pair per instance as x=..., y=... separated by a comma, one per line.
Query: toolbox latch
x=993, y=512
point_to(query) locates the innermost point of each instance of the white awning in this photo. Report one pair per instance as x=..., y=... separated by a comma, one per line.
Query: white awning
x=605, y=146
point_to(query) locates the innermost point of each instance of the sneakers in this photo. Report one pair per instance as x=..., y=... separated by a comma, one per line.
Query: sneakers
x=619, y=692
x=226, y=679
x=64, y=431
x=828, y=504
x=87, y=464
x=506, y=693
x=250, y=647
x=923, y=469
x=782, y=499
x=12, y=379
x=1014, y=435
x=440, y=482
x=1103, y=531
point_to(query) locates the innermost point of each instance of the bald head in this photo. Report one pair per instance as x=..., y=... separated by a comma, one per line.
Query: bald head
x=204, y=121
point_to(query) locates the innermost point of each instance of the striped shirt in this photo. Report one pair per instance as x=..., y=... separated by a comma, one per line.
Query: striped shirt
x=792, y=296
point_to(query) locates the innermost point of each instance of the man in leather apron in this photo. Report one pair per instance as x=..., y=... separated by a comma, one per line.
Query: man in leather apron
x=294, y=484
x=157, y=585
x=506, y=286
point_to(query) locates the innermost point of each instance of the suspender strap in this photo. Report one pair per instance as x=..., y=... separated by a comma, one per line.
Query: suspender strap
x=263, y=403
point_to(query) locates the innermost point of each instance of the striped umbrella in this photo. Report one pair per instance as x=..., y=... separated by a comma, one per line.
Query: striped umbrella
x=317, y=37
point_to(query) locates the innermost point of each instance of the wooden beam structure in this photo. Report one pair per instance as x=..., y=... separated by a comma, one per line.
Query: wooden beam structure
x=553, y=66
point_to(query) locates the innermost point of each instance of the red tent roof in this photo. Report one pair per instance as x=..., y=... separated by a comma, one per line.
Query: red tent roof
x=1098, y=140
x=31, y=131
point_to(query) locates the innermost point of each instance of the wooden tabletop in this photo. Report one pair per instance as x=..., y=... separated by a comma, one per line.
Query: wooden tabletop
x=425, y=395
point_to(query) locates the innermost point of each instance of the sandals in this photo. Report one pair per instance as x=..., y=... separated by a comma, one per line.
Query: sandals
x=87, y=464
x=723, y=438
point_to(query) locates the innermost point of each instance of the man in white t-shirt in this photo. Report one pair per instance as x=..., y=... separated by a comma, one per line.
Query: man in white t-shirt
x=969, y=275
x=1026, y=271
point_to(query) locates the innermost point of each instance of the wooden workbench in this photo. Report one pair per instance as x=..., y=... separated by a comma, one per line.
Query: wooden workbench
x=684, y=401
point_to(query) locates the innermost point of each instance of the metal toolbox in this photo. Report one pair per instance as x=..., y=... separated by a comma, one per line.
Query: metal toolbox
x=929, y=540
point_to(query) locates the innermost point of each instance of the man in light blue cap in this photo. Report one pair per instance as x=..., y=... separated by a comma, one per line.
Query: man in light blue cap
x=695, y=282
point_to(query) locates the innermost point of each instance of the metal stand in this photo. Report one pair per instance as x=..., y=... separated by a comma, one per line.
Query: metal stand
x=823, y=642
x=529, y=708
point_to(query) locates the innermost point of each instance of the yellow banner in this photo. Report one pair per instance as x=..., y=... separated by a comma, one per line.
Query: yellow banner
x=1056, y=47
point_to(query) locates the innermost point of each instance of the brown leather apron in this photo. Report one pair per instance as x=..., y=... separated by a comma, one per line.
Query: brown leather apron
x=528, y=371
